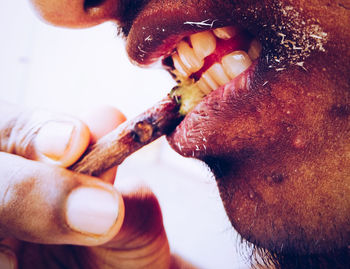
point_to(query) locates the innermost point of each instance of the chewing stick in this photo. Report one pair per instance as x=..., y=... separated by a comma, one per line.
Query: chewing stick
x=112, y=149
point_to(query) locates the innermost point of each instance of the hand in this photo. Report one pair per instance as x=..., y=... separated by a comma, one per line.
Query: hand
x=51, y=217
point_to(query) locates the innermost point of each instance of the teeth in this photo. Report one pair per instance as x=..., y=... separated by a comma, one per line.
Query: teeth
x=180, y=67
x=203, y=43
x=209, y=80
x=203, y=86
x=188, y=58
x=225, y=32
x=254, y=49
x=218, y=74
x=235, y=63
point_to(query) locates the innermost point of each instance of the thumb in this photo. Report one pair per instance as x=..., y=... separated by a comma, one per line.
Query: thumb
x=51, y=205
x=42, y=135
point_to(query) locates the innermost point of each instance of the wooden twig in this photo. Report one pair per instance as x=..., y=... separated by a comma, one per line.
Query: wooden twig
x=112, y=149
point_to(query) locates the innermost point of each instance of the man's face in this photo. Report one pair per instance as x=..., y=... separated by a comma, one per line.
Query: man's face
x=277, y=137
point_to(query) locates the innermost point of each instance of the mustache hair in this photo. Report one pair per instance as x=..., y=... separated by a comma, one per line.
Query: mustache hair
x=260, y=258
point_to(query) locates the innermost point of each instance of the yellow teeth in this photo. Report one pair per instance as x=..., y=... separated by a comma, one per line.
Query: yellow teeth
x=225, y=32
x=180, y=67
x=209, y=80
x=218, y=74
x=203, y=43
x=254, y=50
x=188, y=58
x=203, y=86
x=235, y=63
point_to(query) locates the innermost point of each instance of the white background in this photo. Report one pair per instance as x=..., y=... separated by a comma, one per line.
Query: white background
x=71, y=70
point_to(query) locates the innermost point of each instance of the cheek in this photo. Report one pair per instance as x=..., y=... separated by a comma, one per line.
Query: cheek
x=292, y=194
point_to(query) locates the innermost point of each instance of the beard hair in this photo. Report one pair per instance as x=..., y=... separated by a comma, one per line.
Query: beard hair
x=260, y=258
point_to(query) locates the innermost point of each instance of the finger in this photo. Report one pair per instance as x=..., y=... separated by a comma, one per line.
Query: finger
x=109, y=175
x=142, y=241
x=50, y=205
x=143, y=219
x=42, y=135
x=102, y=120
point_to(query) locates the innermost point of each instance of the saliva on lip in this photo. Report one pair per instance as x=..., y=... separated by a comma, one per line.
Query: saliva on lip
x=207, y=60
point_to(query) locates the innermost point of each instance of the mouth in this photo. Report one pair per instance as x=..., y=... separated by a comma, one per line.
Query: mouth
x=205, y=61
x=212, y=68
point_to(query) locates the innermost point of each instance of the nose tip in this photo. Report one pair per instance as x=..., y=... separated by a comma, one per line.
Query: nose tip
x=77, y=13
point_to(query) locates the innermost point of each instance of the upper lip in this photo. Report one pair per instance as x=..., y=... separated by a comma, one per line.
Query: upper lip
x=153, y=34
x=157, y=28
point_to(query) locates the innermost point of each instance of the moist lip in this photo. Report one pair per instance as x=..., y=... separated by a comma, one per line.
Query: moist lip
x=195, y=135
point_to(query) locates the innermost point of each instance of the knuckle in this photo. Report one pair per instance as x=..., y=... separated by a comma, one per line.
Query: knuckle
x=19, y=187
x=17, y=134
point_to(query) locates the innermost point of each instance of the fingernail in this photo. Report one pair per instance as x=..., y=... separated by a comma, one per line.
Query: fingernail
x=91, y=210
x=53, y=139
x=7, y=261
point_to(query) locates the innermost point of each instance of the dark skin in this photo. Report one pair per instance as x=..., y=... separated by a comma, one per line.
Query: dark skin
x=281, y=158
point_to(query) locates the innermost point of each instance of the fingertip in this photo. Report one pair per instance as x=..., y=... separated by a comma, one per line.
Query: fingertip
x=95, y=213
x=62, y=142
x=50, y=205
x=109, y=176
x=102, y=120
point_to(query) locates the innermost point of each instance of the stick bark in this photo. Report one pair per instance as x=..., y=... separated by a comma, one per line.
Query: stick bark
x=115, y=147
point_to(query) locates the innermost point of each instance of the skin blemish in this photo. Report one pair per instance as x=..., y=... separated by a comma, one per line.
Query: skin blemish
x=274, y=178
x=299, y=142
x=251, y=194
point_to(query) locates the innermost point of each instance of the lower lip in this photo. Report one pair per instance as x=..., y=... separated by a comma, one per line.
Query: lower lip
x=191, y=137
x=239, y=85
